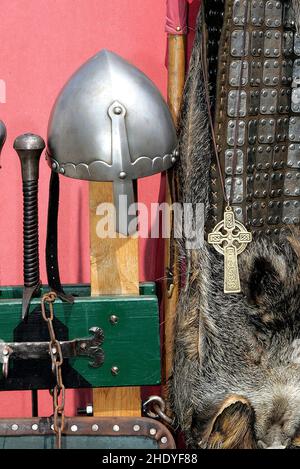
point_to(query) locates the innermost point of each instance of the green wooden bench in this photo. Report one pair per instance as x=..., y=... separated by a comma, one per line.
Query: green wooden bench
x=131, y=338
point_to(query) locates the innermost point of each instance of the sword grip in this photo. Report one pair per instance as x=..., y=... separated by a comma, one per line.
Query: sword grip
x=30, y=234
x=29, y=148
x=2, y=135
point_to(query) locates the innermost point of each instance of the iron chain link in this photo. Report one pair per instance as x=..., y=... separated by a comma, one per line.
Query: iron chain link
x=57, y=361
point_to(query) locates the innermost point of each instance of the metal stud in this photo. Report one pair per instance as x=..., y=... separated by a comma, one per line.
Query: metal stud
x=117, y=110
x=95, y=427
x=113, y=319
x=116, y=428
x=114, y=370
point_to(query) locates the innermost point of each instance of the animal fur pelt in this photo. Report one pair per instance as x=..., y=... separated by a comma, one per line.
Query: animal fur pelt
x=236, y=373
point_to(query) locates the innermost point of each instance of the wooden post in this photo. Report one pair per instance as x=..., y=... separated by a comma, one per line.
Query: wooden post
x=176, y=72
x=114, y=262
x=176, y=80
x=114, y=270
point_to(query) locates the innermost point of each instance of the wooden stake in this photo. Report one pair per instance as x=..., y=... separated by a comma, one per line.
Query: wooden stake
x=114, y=271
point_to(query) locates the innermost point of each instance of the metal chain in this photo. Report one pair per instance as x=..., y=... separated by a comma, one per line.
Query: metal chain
x=57, y=361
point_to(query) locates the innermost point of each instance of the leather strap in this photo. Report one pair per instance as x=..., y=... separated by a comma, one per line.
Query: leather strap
x=171, y=267
x=51, y=243
x=211, y=31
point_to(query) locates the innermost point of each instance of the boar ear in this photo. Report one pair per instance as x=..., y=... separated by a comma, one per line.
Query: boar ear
x=262, y=279
x=233, y=426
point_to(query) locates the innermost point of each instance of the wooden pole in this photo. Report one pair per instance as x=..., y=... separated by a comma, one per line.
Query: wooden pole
x=176, y=80
x=114, y=271
x=176, y=72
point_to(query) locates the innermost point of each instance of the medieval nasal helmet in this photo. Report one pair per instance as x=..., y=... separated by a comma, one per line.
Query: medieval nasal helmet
x=110, y=123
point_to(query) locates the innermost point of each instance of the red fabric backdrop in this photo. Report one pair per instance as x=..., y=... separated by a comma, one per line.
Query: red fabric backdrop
x=42, y=42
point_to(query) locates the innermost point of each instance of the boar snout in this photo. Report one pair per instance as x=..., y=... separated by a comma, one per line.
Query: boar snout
x=278, y=421
x=275, y=445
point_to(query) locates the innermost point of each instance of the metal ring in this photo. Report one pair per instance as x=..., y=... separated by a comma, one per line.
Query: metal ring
x=158, y=405
x=149, y=403
x=162, y=415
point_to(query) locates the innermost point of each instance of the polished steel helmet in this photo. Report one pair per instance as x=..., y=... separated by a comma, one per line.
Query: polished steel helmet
x=110, y=123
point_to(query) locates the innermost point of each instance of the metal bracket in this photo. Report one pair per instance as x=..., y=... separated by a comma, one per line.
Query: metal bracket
x=86, y=347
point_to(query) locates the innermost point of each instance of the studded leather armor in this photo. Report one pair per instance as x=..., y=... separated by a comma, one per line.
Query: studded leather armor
x=266, y=183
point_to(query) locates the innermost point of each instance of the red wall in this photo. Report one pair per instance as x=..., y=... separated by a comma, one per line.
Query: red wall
x=42, y=42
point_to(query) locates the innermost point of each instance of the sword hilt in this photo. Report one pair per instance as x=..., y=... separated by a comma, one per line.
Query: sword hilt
x=29, y=148
x=2, y=135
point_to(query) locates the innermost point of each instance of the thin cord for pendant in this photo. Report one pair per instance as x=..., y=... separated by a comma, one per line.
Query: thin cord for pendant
x=210, y=119
x=235, y=149
x=228, y=198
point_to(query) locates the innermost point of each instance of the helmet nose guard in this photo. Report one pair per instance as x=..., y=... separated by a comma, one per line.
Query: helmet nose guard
x=110, y=123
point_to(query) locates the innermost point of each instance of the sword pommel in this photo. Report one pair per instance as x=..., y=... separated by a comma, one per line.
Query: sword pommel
x=29, y=148
x=2, y=135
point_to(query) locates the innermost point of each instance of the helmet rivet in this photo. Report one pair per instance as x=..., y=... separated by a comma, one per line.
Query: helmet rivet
x=122, y=175
x=117, y=110
x=54, y=165
x=173, y=159
x=62, y=171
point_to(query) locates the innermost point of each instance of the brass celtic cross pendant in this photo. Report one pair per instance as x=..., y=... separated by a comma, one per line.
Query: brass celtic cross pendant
x=230, y=238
